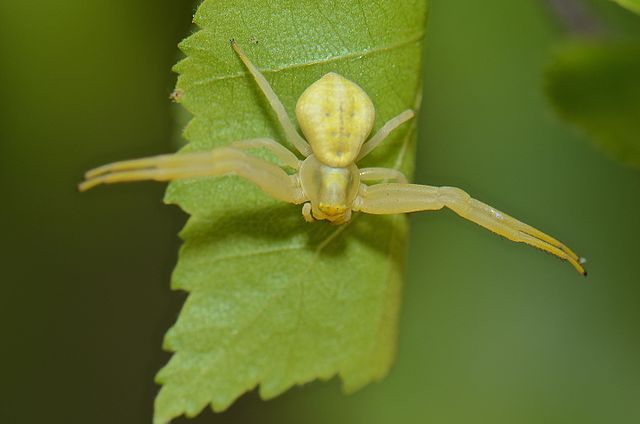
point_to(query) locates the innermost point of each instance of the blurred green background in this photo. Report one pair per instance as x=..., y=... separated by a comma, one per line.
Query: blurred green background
x=491, y=331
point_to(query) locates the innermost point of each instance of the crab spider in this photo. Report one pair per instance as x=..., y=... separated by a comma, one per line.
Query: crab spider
x=336, y=117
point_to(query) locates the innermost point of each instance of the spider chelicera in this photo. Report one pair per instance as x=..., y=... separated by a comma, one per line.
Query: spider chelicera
x=336, y=117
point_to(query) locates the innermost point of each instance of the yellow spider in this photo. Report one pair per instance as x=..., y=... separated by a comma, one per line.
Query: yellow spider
x=336, y=117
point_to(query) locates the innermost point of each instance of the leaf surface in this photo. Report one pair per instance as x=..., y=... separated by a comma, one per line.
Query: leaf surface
x=596, y=86
x=275, y=301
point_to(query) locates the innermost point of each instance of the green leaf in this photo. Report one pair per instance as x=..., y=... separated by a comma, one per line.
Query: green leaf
x=275, y=301
x=596, y=86
x=633, y=5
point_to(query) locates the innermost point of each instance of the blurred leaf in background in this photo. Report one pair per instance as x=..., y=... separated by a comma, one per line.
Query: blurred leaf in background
x=276, y=301
x=593, y=82
x=596, y=85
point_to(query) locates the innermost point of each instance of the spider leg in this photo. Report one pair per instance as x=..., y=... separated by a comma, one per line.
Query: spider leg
x=223, y=161
x=306, y=212
x=402, y=198
x=290, y=131
x=370, y=174
x=279, y=151
x=384, y=132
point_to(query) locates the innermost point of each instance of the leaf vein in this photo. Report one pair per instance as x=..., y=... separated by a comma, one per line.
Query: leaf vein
x=361, y=53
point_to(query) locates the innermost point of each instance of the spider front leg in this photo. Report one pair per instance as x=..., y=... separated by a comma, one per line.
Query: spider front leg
x=401, y=198
x=222, y=161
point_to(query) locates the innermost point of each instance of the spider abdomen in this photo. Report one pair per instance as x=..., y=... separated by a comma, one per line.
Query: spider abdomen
x=336, y=116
